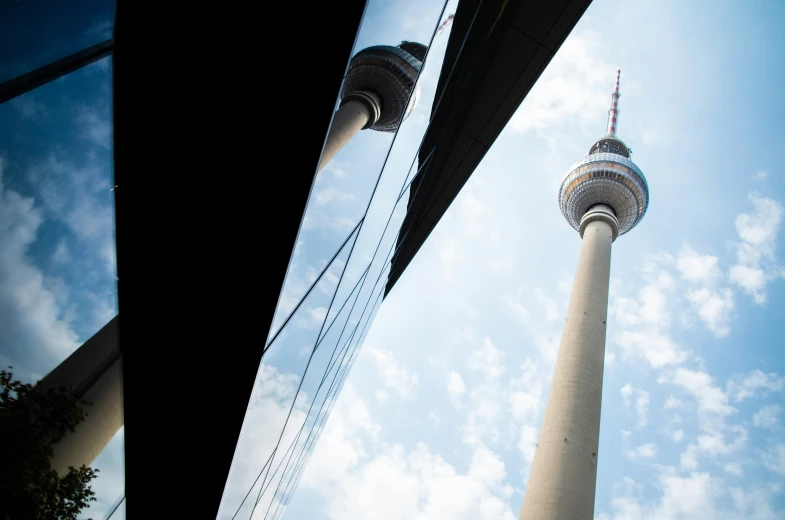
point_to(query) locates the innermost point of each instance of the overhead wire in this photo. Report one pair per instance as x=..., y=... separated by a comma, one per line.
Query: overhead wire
x=301, y=459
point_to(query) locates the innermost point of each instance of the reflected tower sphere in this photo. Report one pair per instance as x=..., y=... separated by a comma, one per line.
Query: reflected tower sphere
x=603, y=196
x=379, y=91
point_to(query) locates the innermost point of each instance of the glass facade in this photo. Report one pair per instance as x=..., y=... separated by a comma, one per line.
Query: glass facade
x=58, y=268
x=33, y=34
x=335, y=283
x=59, y=273
x=58, y=281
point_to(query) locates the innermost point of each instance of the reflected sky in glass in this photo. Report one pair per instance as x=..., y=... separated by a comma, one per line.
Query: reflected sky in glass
x=57, y=265
x=342, y=190
x=293, y=402
x=57, y=260
x=33, y=34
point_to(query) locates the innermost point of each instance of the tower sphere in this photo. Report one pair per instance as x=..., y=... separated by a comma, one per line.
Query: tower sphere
x=607, y=177
x=384, y=76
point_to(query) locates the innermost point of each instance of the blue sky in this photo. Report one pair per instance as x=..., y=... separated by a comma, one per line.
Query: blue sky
x=439, y=415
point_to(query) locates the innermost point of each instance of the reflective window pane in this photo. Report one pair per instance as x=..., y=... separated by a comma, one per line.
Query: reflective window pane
x=58, y=296
x=57, y=270
x=33, y=34
x=282, y=397
x=343, y=189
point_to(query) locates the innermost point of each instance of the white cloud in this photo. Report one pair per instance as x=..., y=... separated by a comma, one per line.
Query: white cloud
x=755, y=382
x=329, y=195
x=642, y=407
x=96, y=126
x=485, y=418
x=31, y=317
x=644, y=322
x=756, y=502
x=79, y=196
x=690, y=497
x=269, y=405
x=671, y=402
x=574, y=87
x=714, y=444
x=29, y=107
x=455, y=385
x=695, y=496
x=527, y=443
x=486, y=467
x=338, y=169
x=488, y=359
x=316, y=316
x=425, y=487
x=644, y=451
x=688, y=459
x=678, y=435
x=760, y=175
x=774, y=459
x=544, y=328
x=710, y=397
x=756, y=264
x=626, y=393
x=766, y=417
x=341, y=446
x=733, y=469
x=697, y=268
x=392, y=374
x=450, y=255
x=435, y=418
x=658, y=349
x=526, y=393
x=61, y=255
x=714, y=308
x=642, y=400
x=651, y=308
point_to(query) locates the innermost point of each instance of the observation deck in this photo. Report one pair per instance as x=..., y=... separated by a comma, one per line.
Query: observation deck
x=605, y=178
x=391, y=74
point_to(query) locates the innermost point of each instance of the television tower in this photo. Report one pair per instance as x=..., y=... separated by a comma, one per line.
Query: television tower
x=603, y=196
x=375, y=93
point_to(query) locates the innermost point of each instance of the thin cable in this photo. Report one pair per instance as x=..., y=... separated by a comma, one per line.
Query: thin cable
x=341, y=377
x=395, y=206
x=330, y=368
x=288, y=461
x=299, y=386
x=357, y=227
x=114, y=507
x=325, y=376
x=264, y=488
x=318, y=279
x=269, y=459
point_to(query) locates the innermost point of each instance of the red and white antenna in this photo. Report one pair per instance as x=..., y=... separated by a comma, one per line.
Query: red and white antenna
x=613, y=113
x=444, y=25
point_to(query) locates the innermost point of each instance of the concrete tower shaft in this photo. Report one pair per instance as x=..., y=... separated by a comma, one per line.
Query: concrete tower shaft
x=564, y=471
x=603, y=196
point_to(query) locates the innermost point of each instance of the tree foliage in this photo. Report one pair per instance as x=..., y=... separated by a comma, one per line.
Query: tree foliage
x=32, y=422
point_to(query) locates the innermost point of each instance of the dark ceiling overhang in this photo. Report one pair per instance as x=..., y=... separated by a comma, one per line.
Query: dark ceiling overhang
x=213, y=165
x=508, y=44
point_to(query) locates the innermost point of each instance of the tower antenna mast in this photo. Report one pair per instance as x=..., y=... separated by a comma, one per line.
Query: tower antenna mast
x=444, y=25
x=613, y=113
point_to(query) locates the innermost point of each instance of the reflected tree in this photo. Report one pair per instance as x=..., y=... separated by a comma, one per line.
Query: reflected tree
x=32, y=422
